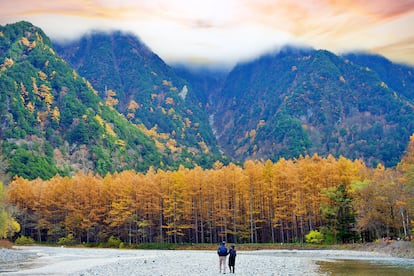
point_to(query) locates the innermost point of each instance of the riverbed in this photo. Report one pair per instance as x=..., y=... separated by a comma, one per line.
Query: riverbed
x=39, y=260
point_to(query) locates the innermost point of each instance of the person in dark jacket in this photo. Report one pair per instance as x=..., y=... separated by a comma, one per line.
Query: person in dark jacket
x=232, y=258
x=222, y=252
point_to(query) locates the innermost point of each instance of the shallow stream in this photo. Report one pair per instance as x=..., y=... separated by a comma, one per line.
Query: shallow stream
x=393, y=266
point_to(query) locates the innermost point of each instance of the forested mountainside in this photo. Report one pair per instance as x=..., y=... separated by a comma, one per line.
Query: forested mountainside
x=53, y=120
x=145, y=89
x=294, y=102
x=116, y=105
x=398, y=76
x=305, y=101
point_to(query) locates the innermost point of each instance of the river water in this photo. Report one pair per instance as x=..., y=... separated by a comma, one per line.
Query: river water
x=393, y=266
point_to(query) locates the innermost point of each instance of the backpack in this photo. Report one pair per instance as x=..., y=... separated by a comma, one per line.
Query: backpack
x=222, y=251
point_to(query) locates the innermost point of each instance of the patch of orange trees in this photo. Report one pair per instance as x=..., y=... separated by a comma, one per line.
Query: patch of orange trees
x=260, y=202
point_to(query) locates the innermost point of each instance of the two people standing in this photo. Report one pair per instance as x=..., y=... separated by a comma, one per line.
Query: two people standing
x=223, y=252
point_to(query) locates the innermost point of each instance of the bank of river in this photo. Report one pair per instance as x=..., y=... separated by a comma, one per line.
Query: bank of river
x=38, y=260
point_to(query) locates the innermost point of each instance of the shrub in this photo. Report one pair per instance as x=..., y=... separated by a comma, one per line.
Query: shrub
x=314, y=236
x=113, y=242
x=23, y=240
x=69, y=240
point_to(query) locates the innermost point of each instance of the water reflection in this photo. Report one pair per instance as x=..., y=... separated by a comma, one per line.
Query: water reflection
x=401, y=267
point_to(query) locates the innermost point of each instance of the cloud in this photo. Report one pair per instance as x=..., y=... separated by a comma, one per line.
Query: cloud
x=232, y=30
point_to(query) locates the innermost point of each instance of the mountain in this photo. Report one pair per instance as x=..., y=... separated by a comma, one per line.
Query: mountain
x=107, y=103
x=398, y=76
x=145, y=89
x=54, y=121
x=304, y=101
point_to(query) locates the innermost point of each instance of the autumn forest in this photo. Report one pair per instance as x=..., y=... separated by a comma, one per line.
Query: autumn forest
x=259, y=202
x=110, y=143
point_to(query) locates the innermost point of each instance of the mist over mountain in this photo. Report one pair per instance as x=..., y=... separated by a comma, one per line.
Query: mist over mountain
x=107, y=103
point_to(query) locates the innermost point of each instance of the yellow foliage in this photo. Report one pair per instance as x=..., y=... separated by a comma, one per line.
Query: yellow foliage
x=49, y=99
x=30, y=107
x=89, y=85
x=109, y=130
x=120, y=143
x=203, y=146
x=23, y=90
x=35, y=88
x=25, y=42
x=110, y=93
x=39, y=37
x=30, y=45
x=252, y=135
x=8, y=225
x=52, y=75
x=56, y=114
x=187, y=123
x=130, y=116
x=110, y=100
x=8, y=62
x=132, y=106
x=171, y=145
x=42, y=117
x=256, y=198
x=167, y=83
x=100, y=120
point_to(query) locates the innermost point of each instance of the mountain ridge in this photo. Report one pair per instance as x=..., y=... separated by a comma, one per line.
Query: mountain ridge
x=121, y=63
x=283, y=104
x=316, y=92
x=53, y=120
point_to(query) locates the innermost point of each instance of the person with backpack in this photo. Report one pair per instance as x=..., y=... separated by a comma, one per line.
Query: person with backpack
x=222, y=253
x=232, y=258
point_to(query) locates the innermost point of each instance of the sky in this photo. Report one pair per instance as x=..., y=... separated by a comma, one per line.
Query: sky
x=230, y=31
